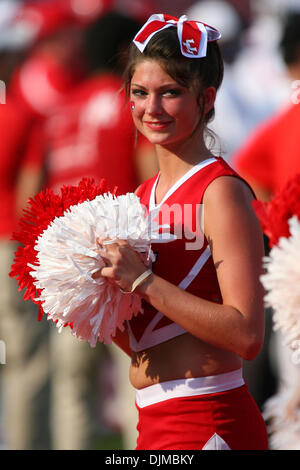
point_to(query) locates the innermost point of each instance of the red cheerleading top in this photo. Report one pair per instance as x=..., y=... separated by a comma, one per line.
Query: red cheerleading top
x=186, y=261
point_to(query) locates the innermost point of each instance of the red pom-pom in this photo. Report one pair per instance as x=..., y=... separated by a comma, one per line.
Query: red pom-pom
x=274, y=215
x=41, y=211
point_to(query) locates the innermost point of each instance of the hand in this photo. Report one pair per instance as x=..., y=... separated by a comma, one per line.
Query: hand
x=123, y=264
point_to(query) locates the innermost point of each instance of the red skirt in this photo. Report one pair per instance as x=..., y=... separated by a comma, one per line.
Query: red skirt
x=208, y=413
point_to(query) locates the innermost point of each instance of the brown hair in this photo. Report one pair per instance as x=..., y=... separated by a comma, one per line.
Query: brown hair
x=195, y=74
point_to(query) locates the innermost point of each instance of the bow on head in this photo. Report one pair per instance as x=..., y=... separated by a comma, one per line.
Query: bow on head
x=193, y=35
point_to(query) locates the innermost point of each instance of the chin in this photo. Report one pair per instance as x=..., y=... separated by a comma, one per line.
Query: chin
x=159, y=139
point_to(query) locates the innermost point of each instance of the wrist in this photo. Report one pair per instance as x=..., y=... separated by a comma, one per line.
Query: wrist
x=143, y=288
x=138, y=282
x=142, y=279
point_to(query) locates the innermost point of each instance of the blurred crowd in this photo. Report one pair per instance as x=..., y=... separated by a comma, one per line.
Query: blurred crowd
x=62, y=118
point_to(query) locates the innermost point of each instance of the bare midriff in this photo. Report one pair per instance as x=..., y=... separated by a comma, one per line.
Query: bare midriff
x=182, y=357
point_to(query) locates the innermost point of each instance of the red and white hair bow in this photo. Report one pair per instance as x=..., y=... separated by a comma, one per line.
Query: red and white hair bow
x=193, y=35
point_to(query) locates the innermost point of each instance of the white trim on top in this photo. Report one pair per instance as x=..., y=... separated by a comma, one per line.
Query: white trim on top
x=183, y=179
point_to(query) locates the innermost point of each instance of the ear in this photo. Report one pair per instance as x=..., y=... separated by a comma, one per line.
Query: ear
x=209, y=98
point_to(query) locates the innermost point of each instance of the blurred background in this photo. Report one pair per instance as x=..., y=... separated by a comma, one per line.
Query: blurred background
x=61, y=118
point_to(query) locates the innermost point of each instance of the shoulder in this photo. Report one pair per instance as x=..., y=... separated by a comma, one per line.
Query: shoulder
x=228, y=188
x=228, y=210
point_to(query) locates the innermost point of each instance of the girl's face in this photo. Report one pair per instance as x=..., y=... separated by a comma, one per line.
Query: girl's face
x=165, y=112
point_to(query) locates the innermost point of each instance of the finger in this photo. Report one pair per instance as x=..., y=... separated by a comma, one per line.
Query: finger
x=97, y=274
x=103, y=241
x=109, y=245
x=101, y=250
x=123, y=243
x=105, y=256
x=103, y=253
x=107, y=272
x=111, y=248
x=108, y=241
x=100, y=240
x=112, y=241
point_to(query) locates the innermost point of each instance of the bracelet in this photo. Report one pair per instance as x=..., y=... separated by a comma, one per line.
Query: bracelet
x=142, y=278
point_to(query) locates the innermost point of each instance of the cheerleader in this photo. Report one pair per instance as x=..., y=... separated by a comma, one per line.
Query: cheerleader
x=202, y=299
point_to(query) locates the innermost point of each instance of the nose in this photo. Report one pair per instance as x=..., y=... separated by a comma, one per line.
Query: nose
x=154, y=105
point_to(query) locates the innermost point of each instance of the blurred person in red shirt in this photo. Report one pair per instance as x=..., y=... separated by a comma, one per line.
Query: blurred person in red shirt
x=91, y=133
x=271, y=156
x=53, y=65
x=50, y=73
x=21, y=381
x=268, y=159
x=37, y=71
x=15, y=119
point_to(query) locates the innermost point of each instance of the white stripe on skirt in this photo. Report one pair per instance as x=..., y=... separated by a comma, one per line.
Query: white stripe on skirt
x=189, y=387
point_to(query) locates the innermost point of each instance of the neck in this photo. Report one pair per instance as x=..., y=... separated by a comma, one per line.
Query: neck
x=175, y=161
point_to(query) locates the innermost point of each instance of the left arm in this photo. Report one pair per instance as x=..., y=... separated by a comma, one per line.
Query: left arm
x=236, y=242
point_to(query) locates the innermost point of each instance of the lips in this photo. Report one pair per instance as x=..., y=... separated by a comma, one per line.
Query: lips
x=157, y=125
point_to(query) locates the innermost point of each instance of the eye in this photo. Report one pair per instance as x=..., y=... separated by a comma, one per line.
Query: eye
x=172, y=92
x=138, y=92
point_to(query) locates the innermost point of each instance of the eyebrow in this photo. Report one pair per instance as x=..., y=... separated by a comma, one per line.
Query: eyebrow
x=167, y=85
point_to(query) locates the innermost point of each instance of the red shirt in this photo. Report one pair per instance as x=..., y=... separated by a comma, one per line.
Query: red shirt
x=15, y=124
x=37, y=86
x=272, y=155
x=41, y=83
x=91, y=135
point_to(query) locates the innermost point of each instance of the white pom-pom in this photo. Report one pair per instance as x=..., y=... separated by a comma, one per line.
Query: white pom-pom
x=68, y=260
x=284, y=432
x=282, y=283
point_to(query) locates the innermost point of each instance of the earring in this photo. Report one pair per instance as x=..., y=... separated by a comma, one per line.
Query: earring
x=132, y=104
